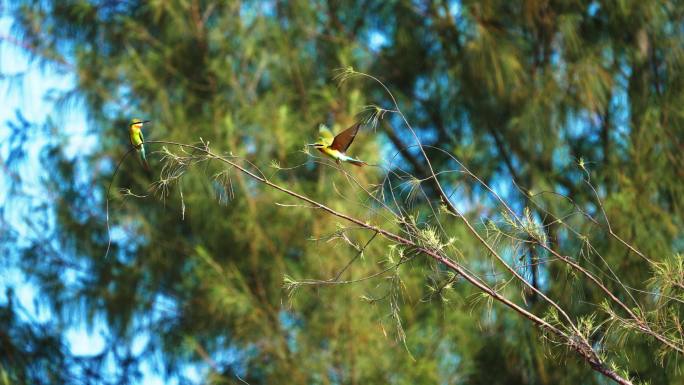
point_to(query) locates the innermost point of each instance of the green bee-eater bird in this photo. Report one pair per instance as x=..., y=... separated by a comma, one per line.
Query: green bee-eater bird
x=137, y=139
x=336, y=146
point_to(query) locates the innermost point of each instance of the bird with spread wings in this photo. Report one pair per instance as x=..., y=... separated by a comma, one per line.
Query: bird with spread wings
x=335, y=146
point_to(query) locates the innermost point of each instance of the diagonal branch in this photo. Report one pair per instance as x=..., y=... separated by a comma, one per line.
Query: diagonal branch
x=578, y=345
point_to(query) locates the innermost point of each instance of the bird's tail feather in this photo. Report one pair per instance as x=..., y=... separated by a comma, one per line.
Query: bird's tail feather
x=146, y=165
x=143, y=159
x=357, y=162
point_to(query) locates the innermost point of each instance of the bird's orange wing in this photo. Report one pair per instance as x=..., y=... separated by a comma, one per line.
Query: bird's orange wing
x=345, y=138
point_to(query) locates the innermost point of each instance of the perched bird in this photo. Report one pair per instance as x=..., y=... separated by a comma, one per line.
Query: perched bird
x=336, y=146
x=137, y=139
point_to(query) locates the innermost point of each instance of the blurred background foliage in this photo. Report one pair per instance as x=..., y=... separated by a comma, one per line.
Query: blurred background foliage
x=518, y=91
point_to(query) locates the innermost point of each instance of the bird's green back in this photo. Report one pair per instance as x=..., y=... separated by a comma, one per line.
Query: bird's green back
x=325, y=136
x=135, y=133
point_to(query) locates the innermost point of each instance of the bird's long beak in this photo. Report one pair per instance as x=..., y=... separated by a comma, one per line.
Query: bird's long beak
x=146, y=121
x=311, y=144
